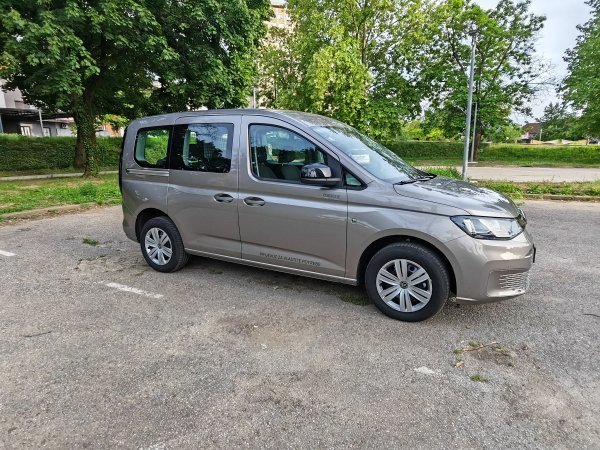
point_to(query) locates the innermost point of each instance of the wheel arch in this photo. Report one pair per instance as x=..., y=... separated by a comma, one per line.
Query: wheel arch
x=144, y=216
x=382, y=242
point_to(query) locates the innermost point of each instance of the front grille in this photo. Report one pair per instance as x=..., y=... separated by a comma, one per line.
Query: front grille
x=514, y=281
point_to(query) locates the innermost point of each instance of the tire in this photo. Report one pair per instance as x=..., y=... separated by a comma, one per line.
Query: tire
x=169, y=255
x=421, y=291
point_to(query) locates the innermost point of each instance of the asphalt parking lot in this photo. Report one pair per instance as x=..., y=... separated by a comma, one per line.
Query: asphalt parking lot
x=97, y=350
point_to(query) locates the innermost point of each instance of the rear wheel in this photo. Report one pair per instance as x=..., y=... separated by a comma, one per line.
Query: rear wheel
x=407, y=281
x=162, y=245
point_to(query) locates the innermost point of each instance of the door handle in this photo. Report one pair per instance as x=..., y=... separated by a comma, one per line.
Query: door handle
x=223, y=198
x=254, y=201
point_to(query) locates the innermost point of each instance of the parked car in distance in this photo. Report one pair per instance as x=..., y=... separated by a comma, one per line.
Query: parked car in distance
x=308, y=195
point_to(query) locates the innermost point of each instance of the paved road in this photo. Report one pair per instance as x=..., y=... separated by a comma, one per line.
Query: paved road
x=97, y=350
x=533, y=174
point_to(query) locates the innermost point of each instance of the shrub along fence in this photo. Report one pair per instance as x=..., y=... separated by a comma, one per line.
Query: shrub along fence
x=501, y=153
x=25, y=153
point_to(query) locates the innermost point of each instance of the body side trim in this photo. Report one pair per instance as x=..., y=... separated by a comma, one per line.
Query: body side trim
x=246, y=262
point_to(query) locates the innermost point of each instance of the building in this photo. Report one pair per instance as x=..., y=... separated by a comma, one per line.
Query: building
x=18, y=117
x=531, y=132
x=281, y=18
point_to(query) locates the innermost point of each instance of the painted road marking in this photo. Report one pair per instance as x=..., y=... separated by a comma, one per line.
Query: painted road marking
x=133, y=290
x=3, y=253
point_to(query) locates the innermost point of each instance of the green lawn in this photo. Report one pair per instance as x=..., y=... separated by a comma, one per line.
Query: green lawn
x=31, y=194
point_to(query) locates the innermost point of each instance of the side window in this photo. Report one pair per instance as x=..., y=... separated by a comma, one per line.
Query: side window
x=151, y=147
x=277, y=153
x=350, y=180
x=203, y=147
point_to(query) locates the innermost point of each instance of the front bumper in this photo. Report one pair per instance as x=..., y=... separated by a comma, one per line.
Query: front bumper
x=491, y=271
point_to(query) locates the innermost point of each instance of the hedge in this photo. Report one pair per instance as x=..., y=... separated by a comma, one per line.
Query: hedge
x=504, y=153
x=20, y=153
x=567, y=154
x=24, y=153
x=427, y=150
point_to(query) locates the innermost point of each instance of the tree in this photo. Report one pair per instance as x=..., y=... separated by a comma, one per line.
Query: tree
x=129, y=57
x=355, y=61
x=582, y=85
x=559, y=123
x=507, y=75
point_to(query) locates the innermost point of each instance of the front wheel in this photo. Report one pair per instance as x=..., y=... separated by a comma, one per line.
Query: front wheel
x=407, y=281
x=162, y=245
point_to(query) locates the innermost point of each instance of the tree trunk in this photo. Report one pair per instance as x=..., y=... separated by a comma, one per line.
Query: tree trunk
x=478, y=136
x=86, y=153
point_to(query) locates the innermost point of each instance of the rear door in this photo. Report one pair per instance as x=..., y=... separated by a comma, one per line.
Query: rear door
x=283, y=222
x=203, y=183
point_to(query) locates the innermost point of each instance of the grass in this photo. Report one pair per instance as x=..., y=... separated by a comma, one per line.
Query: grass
x=478, y=378
x=32, y=194
x=520, y=190
x=92, y=242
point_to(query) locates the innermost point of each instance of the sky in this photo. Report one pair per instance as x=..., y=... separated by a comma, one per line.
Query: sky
x=559, y=34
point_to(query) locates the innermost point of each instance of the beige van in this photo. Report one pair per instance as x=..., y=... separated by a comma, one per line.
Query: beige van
x=308, y=195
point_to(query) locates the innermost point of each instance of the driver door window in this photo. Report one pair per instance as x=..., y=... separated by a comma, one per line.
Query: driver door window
x=277, y=153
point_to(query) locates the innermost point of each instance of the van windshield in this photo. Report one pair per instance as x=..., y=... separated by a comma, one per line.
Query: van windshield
x=372, y=156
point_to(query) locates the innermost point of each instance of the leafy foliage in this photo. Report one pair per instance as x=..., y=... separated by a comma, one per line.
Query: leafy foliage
x=24, y=153
x=355, y=61
x=506, y=74
x=559, y=123
x=129, y=57
x=582, y=85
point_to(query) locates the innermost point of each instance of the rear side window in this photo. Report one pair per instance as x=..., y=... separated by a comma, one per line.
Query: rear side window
x=202, y=147
x=152, y=147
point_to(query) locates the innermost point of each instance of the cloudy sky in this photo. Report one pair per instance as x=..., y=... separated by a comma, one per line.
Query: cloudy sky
x=559, y=34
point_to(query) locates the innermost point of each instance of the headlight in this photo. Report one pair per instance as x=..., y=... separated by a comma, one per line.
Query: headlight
x=488, y=227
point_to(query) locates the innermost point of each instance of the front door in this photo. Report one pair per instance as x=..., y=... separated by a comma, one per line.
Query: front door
x=283, y=222
x=203, y=183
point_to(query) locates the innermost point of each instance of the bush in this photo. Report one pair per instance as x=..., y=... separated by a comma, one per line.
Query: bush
x=566, y=154
x=508, y=154
x=22, y=153
x=415, y=150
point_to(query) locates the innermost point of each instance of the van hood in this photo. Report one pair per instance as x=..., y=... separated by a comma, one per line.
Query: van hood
x=475, y=200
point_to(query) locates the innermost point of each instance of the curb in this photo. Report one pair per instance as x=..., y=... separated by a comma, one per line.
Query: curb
x=42, y=212
x=54, y=175
x=566, y=198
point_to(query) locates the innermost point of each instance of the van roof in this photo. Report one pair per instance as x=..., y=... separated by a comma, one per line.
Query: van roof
x=306, y=119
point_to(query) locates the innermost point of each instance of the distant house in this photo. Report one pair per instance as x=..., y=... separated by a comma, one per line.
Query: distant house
x=18, y=117
x=530, y=132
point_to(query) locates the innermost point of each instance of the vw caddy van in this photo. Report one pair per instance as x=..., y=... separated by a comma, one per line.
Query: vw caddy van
x=308, y=195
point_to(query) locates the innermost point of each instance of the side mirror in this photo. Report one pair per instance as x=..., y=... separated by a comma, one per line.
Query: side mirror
x=318, y=174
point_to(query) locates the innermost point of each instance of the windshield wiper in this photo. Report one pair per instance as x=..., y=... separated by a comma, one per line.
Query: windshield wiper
x=425, y=177
x=407, y=181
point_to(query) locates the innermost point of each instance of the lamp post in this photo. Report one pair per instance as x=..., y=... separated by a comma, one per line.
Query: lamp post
x=472, y=155
x=473, y=34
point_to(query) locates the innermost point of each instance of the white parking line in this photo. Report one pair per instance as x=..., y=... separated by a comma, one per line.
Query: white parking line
x=3, y=253
x=124, y=288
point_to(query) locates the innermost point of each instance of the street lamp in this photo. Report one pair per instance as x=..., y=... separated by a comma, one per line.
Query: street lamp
x=473, y=34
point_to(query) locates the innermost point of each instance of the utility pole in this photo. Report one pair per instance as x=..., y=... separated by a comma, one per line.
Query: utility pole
x=474, y=133
x=41, y=122
x=473, y=34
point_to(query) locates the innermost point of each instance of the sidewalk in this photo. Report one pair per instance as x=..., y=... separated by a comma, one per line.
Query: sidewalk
x=52, y=175
x=533, y=174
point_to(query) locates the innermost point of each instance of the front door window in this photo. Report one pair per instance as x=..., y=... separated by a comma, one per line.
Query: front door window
x=277, y=153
